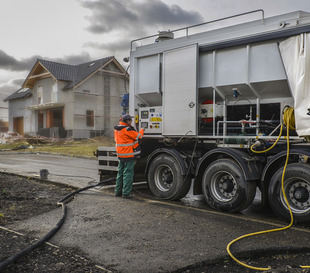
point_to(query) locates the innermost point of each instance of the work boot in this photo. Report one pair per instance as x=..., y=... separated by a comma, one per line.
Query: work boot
x=130, y=196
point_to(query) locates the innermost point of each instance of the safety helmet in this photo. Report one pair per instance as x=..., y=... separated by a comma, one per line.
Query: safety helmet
x=126, y=118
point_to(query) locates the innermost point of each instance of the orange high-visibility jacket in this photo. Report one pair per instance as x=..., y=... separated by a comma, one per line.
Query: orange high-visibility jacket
x=126, y=138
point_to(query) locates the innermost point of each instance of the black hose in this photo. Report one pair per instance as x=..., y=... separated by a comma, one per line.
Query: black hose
x=27, y=250
x=53, y=231
x=86, y=188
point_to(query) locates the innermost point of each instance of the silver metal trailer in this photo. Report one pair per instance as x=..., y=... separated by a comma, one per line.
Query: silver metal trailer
x=210, y=96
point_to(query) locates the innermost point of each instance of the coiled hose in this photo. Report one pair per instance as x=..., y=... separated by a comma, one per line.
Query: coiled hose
x=289, y=121
x=53, y=231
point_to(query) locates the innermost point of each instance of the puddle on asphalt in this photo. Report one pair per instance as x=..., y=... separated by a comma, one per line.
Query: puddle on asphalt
x=255, y=210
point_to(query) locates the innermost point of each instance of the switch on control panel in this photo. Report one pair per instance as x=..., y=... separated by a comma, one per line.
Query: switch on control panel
x=151, y=118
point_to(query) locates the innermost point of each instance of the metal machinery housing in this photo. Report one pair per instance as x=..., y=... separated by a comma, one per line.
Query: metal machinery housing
x=205, y=95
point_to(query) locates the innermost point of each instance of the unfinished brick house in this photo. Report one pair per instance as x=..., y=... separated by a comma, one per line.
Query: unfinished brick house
x=61, y=100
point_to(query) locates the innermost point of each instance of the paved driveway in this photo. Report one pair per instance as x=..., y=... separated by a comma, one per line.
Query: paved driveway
x=69, y=170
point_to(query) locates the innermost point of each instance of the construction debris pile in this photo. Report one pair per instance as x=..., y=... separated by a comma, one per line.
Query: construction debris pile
x=13, y=137
x=9, y=137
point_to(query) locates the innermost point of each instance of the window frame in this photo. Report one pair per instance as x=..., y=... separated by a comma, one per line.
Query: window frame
x=90, y=118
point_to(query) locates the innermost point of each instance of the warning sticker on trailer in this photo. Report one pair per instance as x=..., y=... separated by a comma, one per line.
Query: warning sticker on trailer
x=156, y=119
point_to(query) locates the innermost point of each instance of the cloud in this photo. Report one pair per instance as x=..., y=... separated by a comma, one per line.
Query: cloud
x=115, y=15
x=18, y=81
x=109, y=15
x=112, y=47
x=8, y=62
x=6, y=90
x=157, y=11
x=73, y=59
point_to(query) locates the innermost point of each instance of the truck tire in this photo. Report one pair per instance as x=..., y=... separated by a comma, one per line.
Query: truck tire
x=225, y=188
x=165, y=179
x=297, y=191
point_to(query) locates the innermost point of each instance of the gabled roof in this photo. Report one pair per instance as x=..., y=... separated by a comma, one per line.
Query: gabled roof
x=86, y=69
x=63, y=72
x=73, y=74
x=19, y=94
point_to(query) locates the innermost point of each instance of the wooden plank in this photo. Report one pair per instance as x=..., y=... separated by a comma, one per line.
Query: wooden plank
x=103, y=148
x=42, y=75
x=108, y=158
x=109, y=168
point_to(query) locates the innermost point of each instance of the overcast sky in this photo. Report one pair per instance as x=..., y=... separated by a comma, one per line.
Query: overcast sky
x=76, y=31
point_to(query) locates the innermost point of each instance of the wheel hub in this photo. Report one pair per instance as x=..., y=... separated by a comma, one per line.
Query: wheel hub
x=167, y=176
x=164, y=178
x=299, y=194
x=228, y=185
x=224, y=186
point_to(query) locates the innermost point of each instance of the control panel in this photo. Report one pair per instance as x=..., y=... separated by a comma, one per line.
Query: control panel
x=151, y=119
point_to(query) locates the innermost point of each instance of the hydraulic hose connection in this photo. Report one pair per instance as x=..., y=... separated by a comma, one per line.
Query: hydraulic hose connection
x=288, y=121
x=53, y=231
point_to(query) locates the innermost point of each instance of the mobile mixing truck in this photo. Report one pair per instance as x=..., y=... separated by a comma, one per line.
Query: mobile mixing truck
x=215, y=101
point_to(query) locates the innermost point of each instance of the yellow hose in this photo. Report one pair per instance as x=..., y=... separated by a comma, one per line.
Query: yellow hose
x=274, y=144
x=289, y=120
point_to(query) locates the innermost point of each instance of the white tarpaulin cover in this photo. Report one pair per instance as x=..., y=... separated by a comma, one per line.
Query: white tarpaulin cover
x=295, y=53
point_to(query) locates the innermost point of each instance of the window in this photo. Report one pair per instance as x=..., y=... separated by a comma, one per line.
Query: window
x=40, y=94
x=90, y=118
x=55, y=92
x=40, y=120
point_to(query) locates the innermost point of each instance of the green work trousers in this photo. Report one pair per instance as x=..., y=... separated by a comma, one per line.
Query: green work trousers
x=124, y=178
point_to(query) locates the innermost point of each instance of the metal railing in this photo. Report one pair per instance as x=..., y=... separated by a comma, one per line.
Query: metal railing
x=201, y=24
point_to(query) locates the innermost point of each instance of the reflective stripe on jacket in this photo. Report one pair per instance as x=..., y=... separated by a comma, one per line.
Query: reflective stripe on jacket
x=126, y=138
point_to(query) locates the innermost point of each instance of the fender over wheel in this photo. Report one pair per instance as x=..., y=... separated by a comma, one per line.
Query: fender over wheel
x=165, y=179
x=225, y=188
x=297, y=190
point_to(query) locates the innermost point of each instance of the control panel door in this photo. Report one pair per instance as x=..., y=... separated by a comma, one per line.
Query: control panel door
x=180, y=91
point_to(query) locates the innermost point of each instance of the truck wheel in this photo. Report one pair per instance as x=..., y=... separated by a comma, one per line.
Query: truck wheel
x=225, y=188
x=165, y=179
x=297, y=191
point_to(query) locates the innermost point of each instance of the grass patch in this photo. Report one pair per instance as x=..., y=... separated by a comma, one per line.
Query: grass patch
x=85, y=147
x=14, y=145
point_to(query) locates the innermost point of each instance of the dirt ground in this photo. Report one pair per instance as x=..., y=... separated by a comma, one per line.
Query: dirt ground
x=22, y=198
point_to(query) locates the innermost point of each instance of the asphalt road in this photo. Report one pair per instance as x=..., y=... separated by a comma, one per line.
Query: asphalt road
x=143, y=234
x=79, y=172
x=74, y=171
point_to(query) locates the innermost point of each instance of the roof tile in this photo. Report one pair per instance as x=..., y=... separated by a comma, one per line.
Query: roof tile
x=74, y=74
x=19, y=94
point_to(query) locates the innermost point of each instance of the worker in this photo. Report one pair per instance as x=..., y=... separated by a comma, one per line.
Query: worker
x=127, y=149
